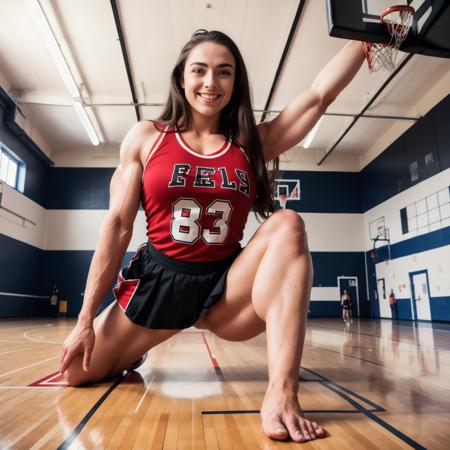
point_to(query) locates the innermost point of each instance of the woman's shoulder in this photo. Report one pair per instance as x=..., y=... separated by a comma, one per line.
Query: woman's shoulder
x=145, y=129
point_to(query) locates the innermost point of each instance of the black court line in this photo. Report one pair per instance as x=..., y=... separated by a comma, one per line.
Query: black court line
x=374, y=405
x=336, y=388
x=411, y=442
x=76, y=432
x=306, y=411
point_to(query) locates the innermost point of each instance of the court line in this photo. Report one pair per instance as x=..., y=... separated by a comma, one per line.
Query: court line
x=358, y=408
x=20, y=350
x=372, y=404
x=214, y=361
x=26, y=367
x=144, y=394
x=322, y=378
x=23, y=387
x=411, y=442
x=25, y=335
x=306, y=411
x=76, y=432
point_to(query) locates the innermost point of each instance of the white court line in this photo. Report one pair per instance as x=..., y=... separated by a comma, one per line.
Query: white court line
x=193, y=422
x=25, y=335
x=144, y=394
x=20, y=350
x=26, y=367
x=23, y=387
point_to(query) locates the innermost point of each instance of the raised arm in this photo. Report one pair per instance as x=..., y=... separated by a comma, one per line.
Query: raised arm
x=115, y=235
x=301, y=114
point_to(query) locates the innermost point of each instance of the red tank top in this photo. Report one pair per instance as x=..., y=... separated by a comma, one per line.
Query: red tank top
x=196, y=205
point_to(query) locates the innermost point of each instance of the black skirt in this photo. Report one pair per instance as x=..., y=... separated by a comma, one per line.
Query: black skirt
x=156, y=291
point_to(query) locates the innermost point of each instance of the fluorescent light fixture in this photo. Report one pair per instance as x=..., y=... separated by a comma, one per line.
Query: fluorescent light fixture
x=310, y=136
x=87, y=124
x=40, y=18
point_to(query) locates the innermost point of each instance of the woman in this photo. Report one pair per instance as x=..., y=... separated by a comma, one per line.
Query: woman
x=207, y=160
x=346, y=303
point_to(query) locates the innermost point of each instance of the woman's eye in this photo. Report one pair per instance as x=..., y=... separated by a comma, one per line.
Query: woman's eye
x=225, y=73
x=197, y=70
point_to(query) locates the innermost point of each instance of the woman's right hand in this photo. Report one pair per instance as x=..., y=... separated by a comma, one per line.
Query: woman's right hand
x=80, y=340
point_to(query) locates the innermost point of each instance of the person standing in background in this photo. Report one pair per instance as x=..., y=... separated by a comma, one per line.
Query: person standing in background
x=393, y=304
x=346, y=303
x=54, y=302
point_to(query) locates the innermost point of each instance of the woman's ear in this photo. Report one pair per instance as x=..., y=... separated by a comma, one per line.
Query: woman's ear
x=182, y=82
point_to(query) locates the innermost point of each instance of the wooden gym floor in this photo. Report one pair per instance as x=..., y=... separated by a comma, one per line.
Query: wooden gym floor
x=375, y=385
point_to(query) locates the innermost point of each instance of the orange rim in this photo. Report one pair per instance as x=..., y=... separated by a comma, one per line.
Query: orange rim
x=396, y=8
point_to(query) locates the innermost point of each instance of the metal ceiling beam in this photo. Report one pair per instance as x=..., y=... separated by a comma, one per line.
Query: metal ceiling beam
x=283, y=57
x=125, y=56
x=360, y=114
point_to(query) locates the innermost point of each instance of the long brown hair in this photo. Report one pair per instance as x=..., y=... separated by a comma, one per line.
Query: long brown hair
x=237, y=121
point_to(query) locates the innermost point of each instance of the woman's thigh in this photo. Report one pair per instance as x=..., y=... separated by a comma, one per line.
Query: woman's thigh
x=235, y=317
x=118, y=343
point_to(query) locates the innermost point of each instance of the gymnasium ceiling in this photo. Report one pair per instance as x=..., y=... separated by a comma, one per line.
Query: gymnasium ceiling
x=154, y=32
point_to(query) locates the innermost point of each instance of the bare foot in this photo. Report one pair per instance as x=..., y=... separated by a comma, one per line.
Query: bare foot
x=282, y=417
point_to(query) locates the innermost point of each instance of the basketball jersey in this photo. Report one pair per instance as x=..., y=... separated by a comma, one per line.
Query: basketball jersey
x=196, y=205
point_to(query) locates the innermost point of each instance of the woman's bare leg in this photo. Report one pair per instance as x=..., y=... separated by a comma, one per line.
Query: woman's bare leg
x=268, y=287
x=118, y=343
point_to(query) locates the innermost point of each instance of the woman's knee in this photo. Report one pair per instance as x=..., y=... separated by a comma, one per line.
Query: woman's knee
x=76, y=376
x=287, y=226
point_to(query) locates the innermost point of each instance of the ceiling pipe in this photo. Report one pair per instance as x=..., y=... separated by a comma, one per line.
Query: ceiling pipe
x=125, y=57
x=283, y=57
x=355, y=118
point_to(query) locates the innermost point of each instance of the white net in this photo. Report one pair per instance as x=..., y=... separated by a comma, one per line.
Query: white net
x=283, y=198
x=398, y=21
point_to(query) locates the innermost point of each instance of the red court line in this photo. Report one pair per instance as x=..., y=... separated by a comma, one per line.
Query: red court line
x=214, y=361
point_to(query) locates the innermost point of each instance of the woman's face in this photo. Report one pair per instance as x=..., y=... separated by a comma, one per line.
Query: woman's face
x=208, y=78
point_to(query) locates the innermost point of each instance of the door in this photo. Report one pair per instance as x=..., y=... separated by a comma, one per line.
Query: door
x=350, y=284
x=385, y=309
x=420, y=295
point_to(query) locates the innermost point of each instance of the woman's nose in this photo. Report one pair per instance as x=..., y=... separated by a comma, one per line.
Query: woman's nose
x=210, y=80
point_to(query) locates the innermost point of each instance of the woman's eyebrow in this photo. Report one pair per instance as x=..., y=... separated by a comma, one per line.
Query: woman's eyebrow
x=206, y=65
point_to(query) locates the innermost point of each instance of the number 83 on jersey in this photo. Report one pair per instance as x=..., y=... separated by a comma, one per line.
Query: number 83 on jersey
x=185, y=226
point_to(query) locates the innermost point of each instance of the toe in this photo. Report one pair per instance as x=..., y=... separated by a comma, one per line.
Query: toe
x=319, y=431
x=297, y=433
x=276, y=430
x=304, y=430
x=310, y=428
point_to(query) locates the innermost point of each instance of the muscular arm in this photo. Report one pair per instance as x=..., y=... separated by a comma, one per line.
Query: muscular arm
x=301, y=114
x=117, y=227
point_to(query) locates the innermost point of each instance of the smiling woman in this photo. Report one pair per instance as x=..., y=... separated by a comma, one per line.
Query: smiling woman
x=198, y=170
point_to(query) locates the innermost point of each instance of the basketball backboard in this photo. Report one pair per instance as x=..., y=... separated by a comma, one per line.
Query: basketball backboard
x=288, y=188
x=360, y=20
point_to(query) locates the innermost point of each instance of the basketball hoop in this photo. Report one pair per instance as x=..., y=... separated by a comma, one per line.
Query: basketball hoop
x=397, y=20
x=283, y=198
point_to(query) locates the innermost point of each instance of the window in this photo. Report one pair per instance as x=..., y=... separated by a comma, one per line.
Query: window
x=9, y=168
x=427, y=214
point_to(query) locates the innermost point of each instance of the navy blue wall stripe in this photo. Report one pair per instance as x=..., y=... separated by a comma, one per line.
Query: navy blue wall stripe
x=417, y=244
x=390, y=174
x=69, y=269
x=79, y=188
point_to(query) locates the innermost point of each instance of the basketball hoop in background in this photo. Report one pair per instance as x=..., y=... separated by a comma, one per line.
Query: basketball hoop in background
x=397, y=20
x=283, y=198
x=286, y=190
x=373, y=256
